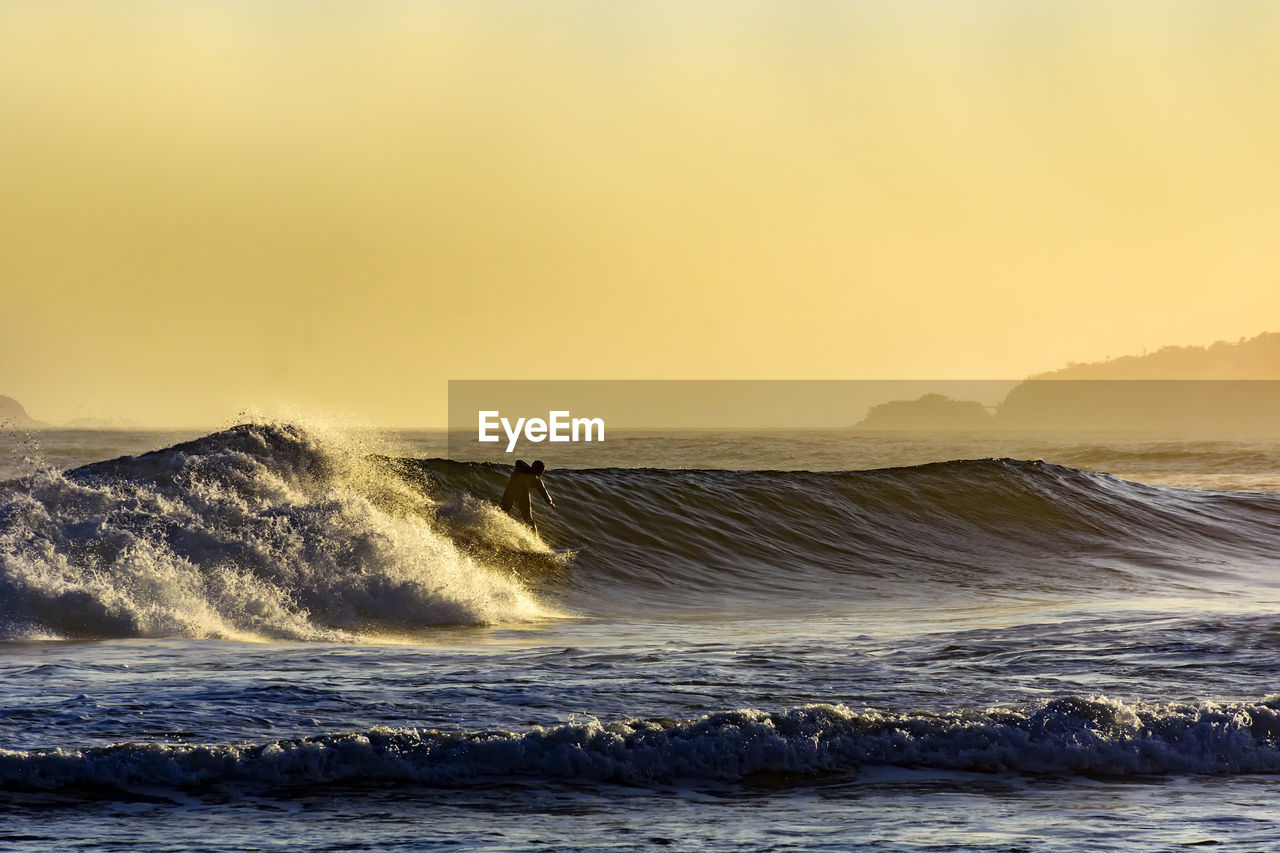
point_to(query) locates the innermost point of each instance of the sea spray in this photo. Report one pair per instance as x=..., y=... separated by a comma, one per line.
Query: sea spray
x=258, y=531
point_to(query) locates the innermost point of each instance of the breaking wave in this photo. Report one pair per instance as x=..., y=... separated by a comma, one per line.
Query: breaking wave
x=260, y=531
x=272, y=531
x=1073, y=735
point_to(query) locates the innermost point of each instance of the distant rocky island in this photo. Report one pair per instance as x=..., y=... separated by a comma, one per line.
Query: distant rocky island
x=1223, y=386
x=934, y=411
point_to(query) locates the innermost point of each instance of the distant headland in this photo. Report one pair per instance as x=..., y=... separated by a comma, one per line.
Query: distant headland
x=1252, y=358
x=14, y=416
x=1225, y=385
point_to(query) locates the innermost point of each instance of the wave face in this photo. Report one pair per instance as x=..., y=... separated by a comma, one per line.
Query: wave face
x=254, y=532
x=1067, y=736
x=270, y=531
x=979, y=528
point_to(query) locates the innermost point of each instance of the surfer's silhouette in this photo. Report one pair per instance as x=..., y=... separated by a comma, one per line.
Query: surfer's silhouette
x=524, y=478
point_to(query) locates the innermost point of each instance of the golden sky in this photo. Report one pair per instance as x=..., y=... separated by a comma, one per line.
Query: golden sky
x=338, y=206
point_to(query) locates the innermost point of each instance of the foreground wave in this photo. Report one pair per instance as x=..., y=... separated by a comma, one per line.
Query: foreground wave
x=256, y=532
x=1071, y=735
x=272, y=531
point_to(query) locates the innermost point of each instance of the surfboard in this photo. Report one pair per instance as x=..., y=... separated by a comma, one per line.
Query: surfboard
x=574, y=550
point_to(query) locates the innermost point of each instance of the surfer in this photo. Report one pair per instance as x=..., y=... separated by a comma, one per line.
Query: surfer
x=524, y=478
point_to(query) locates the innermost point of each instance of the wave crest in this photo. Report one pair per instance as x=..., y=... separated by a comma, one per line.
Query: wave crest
x=977, y=528
x=1075, y=735
x=256, y=531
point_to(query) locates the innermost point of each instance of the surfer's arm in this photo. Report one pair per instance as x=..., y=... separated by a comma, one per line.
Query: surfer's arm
x=546, y=497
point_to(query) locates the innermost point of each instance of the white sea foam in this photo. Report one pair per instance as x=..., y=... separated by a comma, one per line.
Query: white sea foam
x=259, y=531
x=1073, y=735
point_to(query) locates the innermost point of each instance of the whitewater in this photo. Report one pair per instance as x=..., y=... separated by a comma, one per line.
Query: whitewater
x=281, y=636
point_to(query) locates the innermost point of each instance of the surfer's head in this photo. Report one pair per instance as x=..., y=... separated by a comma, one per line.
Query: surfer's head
x=538, y=467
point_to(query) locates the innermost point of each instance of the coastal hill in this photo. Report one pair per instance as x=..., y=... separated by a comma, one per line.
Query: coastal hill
x=14, y=416
x=1224, y=386
x=1254, y=358
x=1219, y=387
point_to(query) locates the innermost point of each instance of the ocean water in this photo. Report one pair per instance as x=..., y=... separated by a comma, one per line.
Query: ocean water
x=277, y=636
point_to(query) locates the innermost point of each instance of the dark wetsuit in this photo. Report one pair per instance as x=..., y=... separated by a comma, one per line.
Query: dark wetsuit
x=517, y=493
